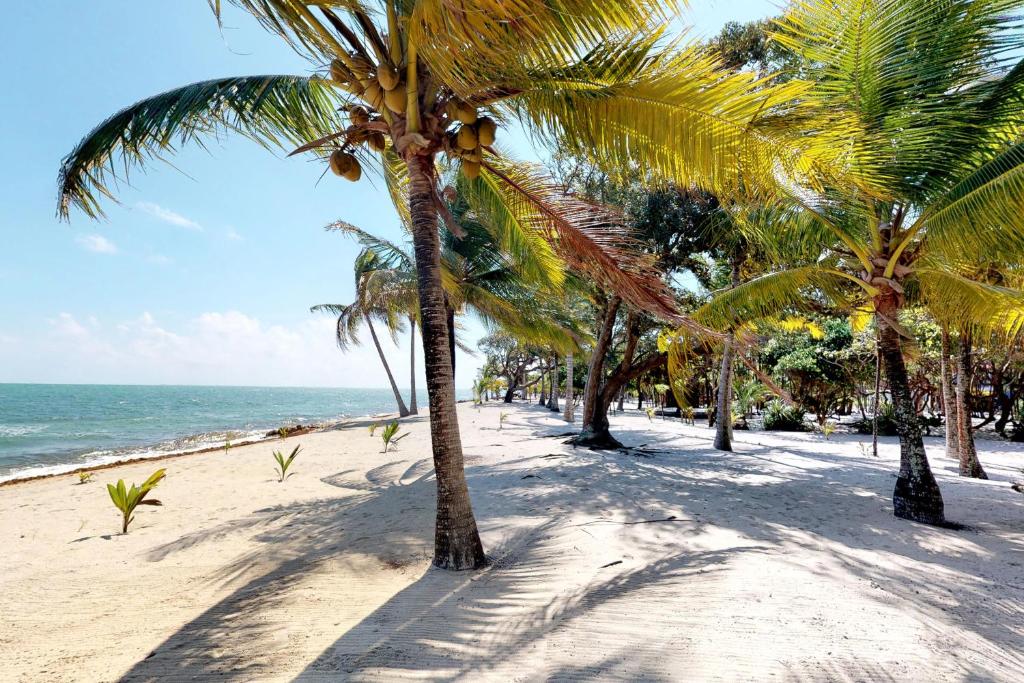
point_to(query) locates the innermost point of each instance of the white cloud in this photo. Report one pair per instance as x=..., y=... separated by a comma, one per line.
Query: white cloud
x=168, y=216
x=232, y=235
x=216, y=347
x=97, y=244
x=160, y=259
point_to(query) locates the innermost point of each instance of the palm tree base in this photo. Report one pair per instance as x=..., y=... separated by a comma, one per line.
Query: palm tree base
x=918, y=502
x=469, y=556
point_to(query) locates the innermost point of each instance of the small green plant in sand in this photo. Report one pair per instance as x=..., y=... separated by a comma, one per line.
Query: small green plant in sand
x=650, y=414
x=687, y=414
x=282, y=432
x=390, y=434
x=127, y=499
x=373, y=428
x=501, y=420
x=828, y=429
x=85, y=477
x=284, y=463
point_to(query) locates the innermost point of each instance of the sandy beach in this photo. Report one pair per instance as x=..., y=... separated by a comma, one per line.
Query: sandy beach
x=781, y=561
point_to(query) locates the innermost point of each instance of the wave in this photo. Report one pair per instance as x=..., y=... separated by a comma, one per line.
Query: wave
x=20, y=430
x=179, y=446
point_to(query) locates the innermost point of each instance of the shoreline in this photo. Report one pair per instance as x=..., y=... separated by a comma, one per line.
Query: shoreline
x=130, y=459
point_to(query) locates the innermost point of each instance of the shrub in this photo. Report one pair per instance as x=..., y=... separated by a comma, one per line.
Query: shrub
x=127, y=499
x=284, y=463
x=779, y=417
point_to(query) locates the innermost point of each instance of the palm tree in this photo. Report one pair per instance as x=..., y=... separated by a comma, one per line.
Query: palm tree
x=924, y=97
x=372, y=302
x=433, y=80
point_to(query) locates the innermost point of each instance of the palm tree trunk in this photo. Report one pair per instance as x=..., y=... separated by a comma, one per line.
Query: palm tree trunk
x=450, y=320
x=723, y=404
x=413, y=410
x=916, y=495
x=970, y=466
x=541, y=397
x=456, y=539
x=949, y=400
x=553, y=398
x=402, y=410
x=570, y=408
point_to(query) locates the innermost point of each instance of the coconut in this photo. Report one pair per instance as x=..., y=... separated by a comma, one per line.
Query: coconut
x=377, y=142
x=395, y=99
x=342, y=162
x=471, y=169
x=486, y=129
x=354, y=172
x=465, y=113
x=387, y=75
x=361, y=64
x=374, y=94
x=358, y=115
x=466, y=138
x=475, y=155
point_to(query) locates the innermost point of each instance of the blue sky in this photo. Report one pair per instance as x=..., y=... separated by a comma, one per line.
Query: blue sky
x=204, y=278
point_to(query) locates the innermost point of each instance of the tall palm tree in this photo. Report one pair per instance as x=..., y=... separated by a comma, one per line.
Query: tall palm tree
x=925, y=98
x=433, y=79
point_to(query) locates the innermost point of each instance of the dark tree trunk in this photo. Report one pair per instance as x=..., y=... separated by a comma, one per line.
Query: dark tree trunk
x=402, y=410
x=970, y=466
x=595, y=372
x=456, y=539
x=413, y=410
x=639, y=399
x=916, y=495
x=949, y=401
x=542, y=397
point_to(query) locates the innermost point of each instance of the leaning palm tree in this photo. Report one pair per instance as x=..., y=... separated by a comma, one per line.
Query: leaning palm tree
x=373, y=301
x=434, y=79
x=925, y=97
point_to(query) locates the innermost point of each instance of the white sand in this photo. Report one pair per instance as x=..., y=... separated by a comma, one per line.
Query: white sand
x=782, y=561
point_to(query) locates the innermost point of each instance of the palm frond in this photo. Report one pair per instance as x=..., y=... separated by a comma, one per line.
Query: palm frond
x=965, y=303
x=390, y=254
x=275, y=111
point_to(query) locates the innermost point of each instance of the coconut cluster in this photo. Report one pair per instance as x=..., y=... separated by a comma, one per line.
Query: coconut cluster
x=473, y=134
x=383, y=87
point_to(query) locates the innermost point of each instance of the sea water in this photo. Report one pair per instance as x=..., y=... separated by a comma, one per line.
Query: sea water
x=52, y=428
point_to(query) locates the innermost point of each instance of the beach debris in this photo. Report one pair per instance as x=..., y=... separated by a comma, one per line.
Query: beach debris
x=127, y=499
x=1018, y=486
x=284, y=463
x=294, y=430
x=610, y=564
x=390, y=434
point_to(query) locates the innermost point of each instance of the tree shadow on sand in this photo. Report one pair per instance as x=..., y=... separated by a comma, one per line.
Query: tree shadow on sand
x=631, y=606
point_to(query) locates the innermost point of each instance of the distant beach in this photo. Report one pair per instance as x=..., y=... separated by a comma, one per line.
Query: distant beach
x=48, y=429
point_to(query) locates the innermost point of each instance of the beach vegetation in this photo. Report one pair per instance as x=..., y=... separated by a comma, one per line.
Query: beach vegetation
x=127, y=499
x=390, y=434
x=284, y=463
x=85, y=477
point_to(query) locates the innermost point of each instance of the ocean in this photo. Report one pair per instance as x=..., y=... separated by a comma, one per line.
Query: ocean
x=52, y=428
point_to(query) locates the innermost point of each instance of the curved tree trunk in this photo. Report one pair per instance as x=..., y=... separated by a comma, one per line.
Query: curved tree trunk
x=949, y=401
x=723, y=404
x=413, y=410
x=916, y=495
x=970, y=466
x=570, y=408
x=456, y=539
x=595, y=372
x=402, y=410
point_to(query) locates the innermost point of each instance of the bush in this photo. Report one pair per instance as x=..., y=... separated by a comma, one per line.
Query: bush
x=779, y=417
x=887, y=422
